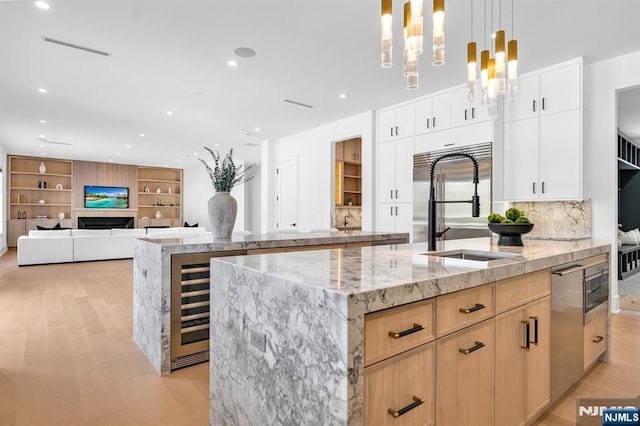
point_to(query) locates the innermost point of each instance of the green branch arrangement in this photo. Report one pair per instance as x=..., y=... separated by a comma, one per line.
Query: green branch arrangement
x=225, y=174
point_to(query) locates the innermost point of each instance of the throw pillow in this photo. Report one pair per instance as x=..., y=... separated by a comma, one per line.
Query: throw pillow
x=44, y=228
x=629, y=237
x=186, y=225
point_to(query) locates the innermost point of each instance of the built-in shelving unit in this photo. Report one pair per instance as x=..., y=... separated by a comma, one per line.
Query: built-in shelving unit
x=37, y=198
x=159, y=191
x=348, y=173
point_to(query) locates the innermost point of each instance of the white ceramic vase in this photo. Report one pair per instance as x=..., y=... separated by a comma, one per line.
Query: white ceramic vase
x=222, y=209
x=42, y=168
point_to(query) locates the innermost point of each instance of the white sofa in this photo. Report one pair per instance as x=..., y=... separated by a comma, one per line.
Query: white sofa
x=80, y=245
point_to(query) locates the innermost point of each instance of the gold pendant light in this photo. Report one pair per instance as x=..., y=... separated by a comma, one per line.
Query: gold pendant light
x=492, y=98
x=438, y=32
x=512, y=64
x=500, y=56
x=472, y=65
x=410, y=60
x=484, y=76
x=386, y=34
x=416, y=40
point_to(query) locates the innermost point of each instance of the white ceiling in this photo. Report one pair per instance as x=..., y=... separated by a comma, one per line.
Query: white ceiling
x=307, y=50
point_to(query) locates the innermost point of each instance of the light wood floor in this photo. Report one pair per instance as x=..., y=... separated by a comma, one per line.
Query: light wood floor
x=67, y=355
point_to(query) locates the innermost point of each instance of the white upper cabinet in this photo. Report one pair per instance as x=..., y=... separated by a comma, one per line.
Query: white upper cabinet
x=463, y=112
x=396, y=123
x=521, y=158
x=553, y=90
x=394, y=176
x=433, y=114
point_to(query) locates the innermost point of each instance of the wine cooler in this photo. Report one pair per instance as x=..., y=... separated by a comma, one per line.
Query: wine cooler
x=190, y=309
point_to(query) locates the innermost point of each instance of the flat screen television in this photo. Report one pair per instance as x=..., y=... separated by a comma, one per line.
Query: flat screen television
x=106, y=197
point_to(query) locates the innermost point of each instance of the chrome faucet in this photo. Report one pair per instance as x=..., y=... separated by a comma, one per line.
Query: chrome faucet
x=475, y=200
x=346, y=219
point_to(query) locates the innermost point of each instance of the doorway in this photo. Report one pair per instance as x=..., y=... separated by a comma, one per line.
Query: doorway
x=286, y=185
x=347, y=185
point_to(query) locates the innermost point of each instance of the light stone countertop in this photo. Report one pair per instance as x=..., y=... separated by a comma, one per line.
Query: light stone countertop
x=310, y=308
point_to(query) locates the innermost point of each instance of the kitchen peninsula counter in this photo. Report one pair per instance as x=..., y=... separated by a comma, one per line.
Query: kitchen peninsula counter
x=152, y=274
x=309, y=308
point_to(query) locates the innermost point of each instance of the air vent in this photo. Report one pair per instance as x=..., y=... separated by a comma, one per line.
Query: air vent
x=75, y=46
x=251, y=144
x=297, y=103
x=45, y=140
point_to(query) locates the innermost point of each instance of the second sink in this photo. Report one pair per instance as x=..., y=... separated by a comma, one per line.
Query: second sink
x=478, y=255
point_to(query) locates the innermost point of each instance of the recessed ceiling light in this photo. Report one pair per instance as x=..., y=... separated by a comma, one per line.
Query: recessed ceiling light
x=117, y=153
x=343, y=96
x=110, y=160
x=42, y=137
x=43, y=5
x=43, y=121
x=217, y=144
x=195, y=154
x=169, y=112
x=41, y=146
x=42, y=90
x=179, y=160
x=42, y=153
x=232, y=63
x=166, y=165
x=127, y=146
x=245, y=52
x=257, y=129
x=142, y=134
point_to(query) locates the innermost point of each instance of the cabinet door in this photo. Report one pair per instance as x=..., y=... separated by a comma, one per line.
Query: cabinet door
x=538, y=394
x=385, y=217
x=460, y=108
x=441, y=110
x=560, y=89
x=404, y=217
x=465, y=381
x=349, y=150
x=339, y=151
x=405, y=121
x=386, y=125
x=595, y=339
x=386, y=172
x=16, y=229
x=401, y=382
x=560, y=155
x=527, y=105
x=403, y=191
x=424, y=116
x=521, y=160
x=510, y=375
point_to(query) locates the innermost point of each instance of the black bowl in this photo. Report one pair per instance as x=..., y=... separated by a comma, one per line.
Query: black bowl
x=510, y=233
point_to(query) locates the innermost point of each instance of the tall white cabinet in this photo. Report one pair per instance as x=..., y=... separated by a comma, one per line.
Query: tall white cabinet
x=543, y=135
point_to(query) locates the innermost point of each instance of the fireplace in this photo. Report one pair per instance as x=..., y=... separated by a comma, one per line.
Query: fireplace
x=104, y=222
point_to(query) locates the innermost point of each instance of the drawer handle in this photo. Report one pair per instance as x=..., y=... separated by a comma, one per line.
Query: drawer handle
x=415, y=329
x=478, y=345
x=477, y=307
x=527, y=335
x=416, y=403
x=535, y=330
x=598, y=339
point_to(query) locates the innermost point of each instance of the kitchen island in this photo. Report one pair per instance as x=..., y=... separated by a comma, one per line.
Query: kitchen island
x=155, y=262
x=288, y=330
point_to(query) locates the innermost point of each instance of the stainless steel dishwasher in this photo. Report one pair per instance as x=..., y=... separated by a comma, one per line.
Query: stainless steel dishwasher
x=578, y=291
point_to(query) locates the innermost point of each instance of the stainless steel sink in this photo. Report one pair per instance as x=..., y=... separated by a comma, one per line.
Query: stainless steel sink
x=478, y=255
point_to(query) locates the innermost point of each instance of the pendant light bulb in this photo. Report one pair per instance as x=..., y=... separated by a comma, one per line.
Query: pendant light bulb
x=438, y=32
x=472, y=71
x=512, y=70
x=500, y=62
x=416, y=40
x=484, y=75
x=386, y=34
x=492, y=101
x=410, y=67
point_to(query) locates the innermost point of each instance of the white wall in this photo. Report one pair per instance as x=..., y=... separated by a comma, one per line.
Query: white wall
x=197, y=191
x=314, y=150
x=601, y=167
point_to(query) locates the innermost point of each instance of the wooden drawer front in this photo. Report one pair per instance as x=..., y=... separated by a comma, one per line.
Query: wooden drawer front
x=398, y=383
x=595, y=339
x=464, y=308
x=465, y=382
x=379, y=344
x=514, y=292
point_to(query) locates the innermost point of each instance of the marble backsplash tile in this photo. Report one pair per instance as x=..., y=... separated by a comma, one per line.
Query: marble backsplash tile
x=355, y=214
x=558, y=219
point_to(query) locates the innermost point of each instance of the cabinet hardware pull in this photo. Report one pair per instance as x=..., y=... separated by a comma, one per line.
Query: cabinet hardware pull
x=473, y=112
x=428, y=123
x=476, y=307
x=391, y=211
x=534, y=105
x=543, y=187
x=391, y=193
x=396, y=210
x=397, y=133
x=478, y=345
x=396, y=194
x=434, y=122
x=598, y=339
x=527, y=335
x=416, y=402
x=534, y=187
x=542, y=103
x=392, y=132
x=535, y=330
x=414, y=329
x=465, y=115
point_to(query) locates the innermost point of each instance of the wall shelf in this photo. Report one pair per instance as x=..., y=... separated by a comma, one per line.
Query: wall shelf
x=163, y=178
